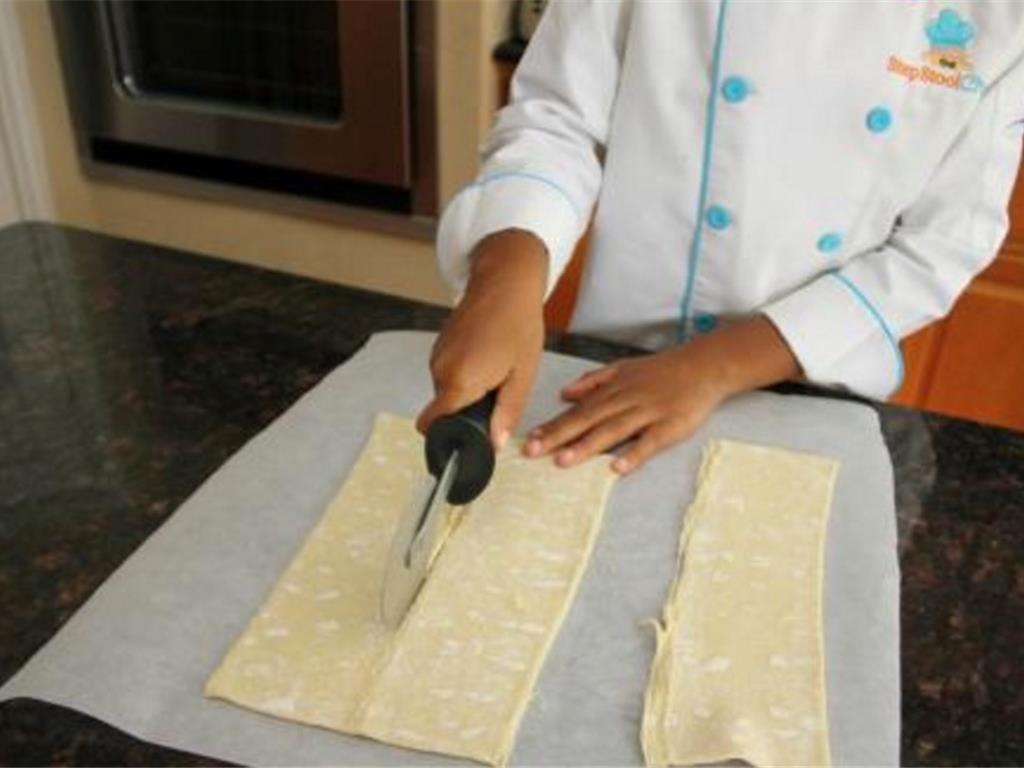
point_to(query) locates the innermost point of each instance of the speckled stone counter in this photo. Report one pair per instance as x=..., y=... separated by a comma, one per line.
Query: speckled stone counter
x=129, y=373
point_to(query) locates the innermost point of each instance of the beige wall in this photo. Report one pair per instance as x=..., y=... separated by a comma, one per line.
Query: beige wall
x=467, y=95
x=262, y=235
x=10, y=209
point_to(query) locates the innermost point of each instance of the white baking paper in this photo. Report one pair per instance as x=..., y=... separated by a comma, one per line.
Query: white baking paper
x=138, y=653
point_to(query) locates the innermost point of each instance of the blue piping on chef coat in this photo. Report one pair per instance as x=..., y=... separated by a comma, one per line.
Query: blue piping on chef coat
x=533, y=176
x=859, y=295
x=702, y=197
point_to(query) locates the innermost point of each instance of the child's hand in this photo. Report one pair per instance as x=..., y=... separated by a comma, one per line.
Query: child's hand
x=661, y=398
x=493, y=338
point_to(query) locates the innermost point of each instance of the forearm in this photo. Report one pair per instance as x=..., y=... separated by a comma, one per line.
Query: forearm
x=510, y=262
x=747, y=355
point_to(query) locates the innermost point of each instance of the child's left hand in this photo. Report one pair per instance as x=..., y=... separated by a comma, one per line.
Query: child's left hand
x=661, y=398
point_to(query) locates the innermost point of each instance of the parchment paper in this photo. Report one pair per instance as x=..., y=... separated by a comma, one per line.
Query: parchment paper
x=139, y=651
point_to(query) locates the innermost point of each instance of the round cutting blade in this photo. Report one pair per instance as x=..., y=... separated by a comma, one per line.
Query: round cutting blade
x=417, y=538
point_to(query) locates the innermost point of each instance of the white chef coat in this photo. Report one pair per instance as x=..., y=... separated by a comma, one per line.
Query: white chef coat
x=841, y=166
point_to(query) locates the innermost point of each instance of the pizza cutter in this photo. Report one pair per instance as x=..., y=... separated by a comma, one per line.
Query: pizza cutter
x=460, y=459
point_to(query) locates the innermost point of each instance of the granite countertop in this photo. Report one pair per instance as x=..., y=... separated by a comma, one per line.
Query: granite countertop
x=129, y=373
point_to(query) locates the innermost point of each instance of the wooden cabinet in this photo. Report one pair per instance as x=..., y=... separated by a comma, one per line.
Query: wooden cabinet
x=971, y=364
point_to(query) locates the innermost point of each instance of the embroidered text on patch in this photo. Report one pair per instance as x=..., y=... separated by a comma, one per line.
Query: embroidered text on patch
x=947, y=61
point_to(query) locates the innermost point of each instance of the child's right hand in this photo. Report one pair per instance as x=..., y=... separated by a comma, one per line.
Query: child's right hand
x=494, y=337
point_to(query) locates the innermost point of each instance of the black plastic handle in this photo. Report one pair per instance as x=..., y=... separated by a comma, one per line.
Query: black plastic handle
x=468, y=432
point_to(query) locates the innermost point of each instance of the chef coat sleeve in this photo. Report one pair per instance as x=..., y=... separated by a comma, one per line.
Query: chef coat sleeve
x=541, y=170
x=844, y=327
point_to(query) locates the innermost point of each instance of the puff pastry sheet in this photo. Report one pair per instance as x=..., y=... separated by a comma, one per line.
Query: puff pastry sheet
x=456, y=676
x=739, y=667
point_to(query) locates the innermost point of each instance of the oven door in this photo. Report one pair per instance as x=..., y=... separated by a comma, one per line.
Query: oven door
x=308, y=85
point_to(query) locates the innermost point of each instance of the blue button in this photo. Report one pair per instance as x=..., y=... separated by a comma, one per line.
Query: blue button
x=830, y=241
x=735, y=89
x=705, y=322
x=879, y=119
x=718, y=217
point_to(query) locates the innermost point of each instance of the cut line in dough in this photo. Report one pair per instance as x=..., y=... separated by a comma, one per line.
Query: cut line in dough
x=738, y=671
x=457, y=674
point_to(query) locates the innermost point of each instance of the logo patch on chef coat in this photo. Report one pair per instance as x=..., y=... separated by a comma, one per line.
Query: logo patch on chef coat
x=947, y=62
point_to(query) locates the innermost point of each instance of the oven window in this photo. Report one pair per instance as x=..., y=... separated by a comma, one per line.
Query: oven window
x=267, y=56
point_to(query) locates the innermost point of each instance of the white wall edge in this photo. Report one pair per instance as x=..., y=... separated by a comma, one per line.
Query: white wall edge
x=19, y=122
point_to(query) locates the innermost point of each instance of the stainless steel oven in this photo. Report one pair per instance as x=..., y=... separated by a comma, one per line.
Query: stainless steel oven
x=268, y=93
